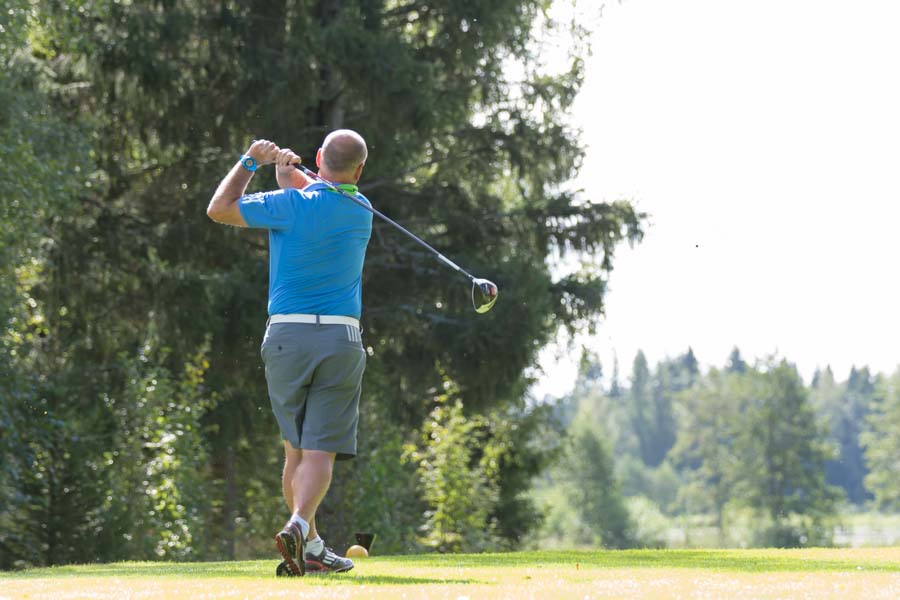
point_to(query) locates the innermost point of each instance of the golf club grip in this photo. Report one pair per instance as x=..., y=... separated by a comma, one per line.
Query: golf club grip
x=387, y=219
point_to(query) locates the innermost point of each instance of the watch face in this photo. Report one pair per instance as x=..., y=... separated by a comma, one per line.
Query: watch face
x=249, y=163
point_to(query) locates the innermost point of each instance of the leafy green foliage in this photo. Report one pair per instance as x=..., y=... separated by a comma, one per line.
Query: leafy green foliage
x=580, y=490
x=151, y=476
x=593, y=491
x=709, y=419
x=458, y=467
x=746, y=438
x=43, y=164
x=662, y=483
x=882, y=444
x=845, y=408
x=530, y=443
x=780, y=444
x=383, y=492
x=649, y=403
x=752, y=437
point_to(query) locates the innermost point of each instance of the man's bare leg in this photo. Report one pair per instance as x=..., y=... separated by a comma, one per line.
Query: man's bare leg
x=292, y=458
x=312, y=478
x=305, y=481
x=311, y=481
x=291, y=476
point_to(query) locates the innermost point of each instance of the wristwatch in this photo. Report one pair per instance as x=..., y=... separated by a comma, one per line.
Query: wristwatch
x=248, y=162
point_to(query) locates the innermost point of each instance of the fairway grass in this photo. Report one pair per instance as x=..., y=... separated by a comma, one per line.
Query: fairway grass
x=814, y=573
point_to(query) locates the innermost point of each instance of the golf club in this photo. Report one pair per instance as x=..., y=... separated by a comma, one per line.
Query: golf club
x=484, y=292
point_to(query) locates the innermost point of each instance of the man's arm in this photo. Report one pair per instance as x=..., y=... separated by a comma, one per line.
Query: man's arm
x=223, y=207
x=286, y=174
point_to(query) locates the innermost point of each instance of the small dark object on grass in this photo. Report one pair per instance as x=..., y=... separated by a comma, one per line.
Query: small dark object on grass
x=365, y=540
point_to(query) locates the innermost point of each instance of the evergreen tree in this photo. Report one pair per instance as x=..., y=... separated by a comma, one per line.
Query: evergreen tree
x=689, y=367
x=781, y=457
x=603, y=409
x=850, y=470
x=670, y=378
x=615, y=388
x=710, y=418
x=593, y=491
x=736, y=362
x=586, y=394
x=639, y=404
x=649, y=403
x=844, y=408
x=881, y=442
x=44, y=165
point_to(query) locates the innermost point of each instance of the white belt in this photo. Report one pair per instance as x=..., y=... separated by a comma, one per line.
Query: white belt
x=313, y=319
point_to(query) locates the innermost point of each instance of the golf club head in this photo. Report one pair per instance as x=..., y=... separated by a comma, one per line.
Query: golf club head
x=484, y=295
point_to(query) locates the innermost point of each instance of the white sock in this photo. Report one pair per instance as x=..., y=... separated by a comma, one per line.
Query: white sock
x=304, y=526
x=315, y=545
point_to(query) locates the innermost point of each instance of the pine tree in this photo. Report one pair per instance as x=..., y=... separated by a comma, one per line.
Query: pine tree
x=736, y=363
x=671, y=377
x=851, y=467
x=615, y=388
x=882, y=444
x=844, y=408
x=649, y=403
x=689, y=367
x=593, y=490
x=781, y=457
x=639, y=404
x=710, y=417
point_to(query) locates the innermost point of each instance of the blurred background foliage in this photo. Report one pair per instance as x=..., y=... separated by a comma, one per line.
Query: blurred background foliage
x=742, y=455
x=135, y=421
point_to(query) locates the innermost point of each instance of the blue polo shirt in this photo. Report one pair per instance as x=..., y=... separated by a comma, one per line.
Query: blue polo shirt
x=317, y=244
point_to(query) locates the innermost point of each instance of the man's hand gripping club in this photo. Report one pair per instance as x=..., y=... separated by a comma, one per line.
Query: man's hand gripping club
x=223, y=207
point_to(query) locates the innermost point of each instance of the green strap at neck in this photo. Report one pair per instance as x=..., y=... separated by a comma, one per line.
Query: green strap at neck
x=347, y=187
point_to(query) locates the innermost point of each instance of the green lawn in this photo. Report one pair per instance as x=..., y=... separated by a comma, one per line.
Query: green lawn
x=820, y=573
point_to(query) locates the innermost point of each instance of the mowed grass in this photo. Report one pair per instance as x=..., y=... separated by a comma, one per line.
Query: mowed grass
x=814, y=573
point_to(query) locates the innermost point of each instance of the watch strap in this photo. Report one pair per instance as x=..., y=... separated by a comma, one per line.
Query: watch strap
x=249, y=163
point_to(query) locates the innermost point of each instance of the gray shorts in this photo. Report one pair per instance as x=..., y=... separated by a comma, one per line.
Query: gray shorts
x=314, y=373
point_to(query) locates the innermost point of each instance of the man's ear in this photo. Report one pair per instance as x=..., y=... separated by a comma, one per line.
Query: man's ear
x=358, y=173
x=319, y=158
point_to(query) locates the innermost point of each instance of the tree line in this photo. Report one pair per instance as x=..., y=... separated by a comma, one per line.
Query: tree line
x=742, y=437
x=134, y=421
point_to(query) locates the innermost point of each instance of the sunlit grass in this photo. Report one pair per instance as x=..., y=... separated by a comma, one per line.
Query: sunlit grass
x=869, y=573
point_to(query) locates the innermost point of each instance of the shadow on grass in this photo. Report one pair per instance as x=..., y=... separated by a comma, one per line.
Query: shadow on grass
x=713, y=560
x=153, y=569
x=391, y=580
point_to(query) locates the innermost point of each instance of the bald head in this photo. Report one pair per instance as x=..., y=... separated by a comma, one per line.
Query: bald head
x=343, y=152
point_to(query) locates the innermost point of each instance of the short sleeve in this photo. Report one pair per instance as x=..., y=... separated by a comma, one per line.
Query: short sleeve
x=268, y=210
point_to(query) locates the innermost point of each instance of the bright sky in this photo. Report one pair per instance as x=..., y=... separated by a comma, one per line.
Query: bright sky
x=764, y=139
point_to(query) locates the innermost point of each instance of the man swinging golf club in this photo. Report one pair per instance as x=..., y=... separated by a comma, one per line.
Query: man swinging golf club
x=312, y=348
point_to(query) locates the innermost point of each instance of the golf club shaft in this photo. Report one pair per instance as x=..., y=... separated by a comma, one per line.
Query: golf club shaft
x=387, y=219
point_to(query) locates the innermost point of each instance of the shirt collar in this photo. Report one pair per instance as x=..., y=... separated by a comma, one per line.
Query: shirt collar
x=344, y=187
